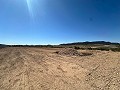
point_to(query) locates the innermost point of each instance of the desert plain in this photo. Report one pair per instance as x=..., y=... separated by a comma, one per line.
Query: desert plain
x=25, y=68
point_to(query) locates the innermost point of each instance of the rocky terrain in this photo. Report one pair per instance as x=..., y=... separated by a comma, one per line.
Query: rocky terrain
x=43, y=69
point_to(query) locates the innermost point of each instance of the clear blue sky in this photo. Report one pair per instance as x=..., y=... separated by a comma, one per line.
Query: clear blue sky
x=59, y=21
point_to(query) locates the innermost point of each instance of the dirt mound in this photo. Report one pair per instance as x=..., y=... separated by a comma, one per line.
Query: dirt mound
x=70, y=52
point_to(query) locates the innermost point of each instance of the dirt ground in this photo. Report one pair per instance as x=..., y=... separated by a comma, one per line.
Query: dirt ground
x=42, y=69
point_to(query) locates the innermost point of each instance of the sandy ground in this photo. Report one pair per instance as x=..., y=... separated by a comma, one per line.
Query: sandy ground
x=42, y=69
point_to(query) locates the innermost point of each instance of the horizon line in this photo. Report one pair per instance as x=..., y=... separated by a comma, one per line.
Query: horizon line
x=62, y=43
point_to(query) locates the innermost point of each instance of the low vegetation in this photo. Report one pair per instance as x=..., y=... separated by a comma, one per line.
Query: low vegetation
x=97, y=45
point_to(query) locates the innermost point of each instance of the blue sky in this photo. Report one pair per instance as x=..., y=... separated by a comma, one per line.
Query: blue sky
x=59, y=21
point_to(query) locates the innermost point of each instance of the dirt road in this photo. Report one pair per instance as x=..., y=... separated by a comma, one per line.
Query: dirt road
x=42, y=69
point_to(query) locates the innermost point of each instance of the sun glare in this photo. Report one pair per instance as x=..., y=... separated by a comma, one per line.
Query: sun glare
x=29, y=6
x=35, y=7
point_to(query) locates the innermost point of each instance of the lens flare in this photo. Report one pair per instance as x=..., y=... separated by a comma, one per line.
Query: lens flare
x=35, y=8
x=29, y=5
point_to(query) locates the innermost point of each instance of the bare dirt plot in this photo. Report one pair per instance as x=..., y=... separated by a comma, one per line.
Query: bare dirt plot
x=42, y=69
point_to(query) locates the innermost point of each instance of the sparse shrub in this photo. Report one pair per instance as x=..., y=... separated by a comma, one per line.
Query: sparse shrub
x=90, y=48
x=57, y=52
x=104, y=49
x=115, y=49
x=70, y=47
x=108, y=49
x=76, y=47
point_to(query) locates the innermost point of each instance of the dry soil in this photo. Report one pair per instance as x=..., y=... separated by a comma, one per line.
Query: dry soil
x=42, y=69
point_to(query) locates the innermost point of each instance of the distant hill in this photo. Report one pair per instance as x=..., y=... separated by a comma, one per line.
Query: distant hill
x=96, y=43
x=92, y=43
